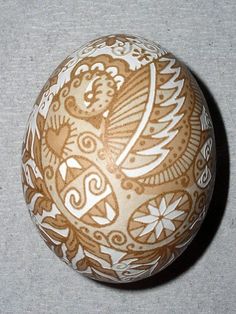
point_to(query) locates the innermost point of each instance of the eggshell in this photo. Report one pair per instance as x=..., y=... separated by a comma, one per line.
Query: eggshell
x=118, y=161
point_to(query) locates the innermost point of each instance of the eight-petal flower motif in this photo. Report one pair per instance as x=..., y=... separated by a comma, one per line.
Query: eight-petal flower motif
x=158, y=218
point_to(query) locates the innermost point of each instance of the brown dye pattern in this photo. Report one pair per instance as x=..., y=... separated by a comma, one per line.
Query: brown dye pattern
x=119, y=173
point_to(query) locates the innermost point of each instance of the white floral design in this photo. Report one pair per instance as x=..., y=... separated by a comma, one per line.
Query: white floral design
x=160, y=217
x=126, y=270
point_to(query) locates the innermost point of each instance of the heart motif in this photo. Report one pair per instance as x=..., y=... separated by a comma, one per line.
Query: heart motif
x=56, y=139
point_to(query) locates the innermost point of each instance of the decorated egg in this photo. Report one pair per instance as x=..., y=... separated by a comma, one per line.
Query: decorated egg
x=118, y=160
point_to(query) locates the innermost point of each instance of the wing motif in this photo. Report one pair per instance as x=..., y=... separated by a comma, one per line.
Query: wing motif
x=143, y=120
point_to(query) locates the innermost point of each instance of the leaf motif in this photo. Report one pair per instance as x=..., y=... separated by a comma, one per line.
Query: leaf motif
x=23, y=178
x=54, y=235
x=42, y=204
x=109, y=272
x=37, y=143
x=142, y=257
x=26, y=156
x=88, y=262
x=29, y=194
x=58, y=250
x=39, y=184
x=72, y=245
x=58, y=222
x=56, y=247
x=82, y=264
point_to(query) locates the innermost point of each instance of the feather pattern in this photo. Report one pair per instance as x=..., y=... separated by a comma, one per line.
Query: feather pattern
x=144, y=119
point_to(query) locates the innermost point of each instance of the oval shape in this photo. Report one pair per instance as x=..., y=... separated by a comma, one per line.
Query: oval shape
x=118, y=161
x=159, y=218
x=85, y=192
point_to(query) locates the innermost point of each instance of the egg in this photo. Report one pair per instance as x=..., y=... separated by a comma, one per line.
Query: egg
x=118, y=159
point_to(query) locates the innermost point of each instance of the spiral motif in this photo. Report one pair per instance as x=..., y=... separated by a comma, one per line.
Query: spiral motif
x=95, y=91
x=75, y=199
x=49, y=172
x=122, y=49
x=200, y=203
x=87, y=142
x=55, y=106
x=118, y=159
x=65, y=91
x=204, y=165
x=116, y=238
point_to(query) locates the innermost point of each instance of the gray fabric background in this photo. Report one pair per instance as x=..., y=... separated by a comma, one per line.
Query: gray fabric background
x=35, y=36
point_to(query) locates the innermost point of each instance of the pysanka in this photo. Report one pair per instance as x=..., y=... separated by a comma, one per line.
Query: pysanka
x=118, y=160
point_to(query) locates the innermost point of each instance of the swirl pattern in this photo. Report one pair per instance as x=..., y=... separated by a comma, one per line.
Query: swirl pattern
x=87, y=142
x=118, y=160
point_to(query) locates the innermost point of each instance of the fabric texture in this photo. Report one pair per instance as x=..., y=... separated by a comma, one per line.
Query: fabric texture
x=35, y=36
